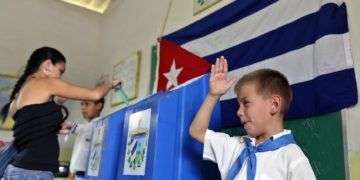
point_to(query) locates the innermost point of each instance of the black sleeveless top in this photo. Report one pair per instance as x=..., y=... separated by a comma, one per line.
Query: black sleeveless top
x=35, y=132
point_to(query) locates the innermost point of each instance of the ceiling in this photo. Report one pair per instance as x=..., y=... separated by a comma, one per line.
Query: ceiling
x=95, y=5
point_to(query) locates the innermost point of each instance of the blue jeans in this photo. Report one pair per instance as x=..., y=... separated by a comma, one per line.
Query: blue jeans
x=15, y=173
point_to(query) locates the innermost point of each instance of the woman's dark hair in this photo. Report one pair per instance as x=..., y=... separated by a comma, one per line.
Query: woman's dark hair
x=33, y=64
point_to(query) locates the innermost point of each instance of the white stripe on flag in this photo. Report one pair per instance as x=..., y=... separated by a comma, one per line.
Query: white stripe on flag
x=243, y=30
x=299, y=65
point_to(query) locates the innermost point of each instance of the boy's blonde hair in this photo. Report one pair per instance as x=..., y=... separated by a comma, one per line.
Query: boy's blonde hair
x=268, y=82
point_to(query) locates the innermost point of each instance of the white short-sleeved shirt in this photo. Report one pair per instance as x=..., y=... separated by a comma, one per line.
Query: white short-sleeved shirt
x=288, y=162
x=81, y=150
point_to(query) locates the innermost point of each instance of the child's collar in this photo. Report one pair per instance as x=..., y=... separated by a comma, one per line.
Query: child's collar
x=275, y=136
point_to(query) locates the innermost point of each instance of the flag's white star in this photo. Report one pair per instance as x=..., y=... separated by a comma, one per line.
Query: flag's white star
x=172, y=75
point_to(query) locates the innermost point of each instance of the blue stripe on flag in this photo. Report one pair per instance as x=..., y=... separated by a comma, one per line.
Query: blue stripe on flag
x=324, y=94
x=330, y=19
x=218, y=20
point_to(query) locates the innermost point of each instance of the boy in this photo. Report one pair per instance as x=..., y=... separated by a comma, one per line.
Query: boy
x=268, y=151
x=90, y=110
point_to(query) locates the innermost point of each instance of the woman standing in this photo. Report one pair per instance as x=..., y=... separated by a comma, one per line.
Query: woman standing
x=38, y=118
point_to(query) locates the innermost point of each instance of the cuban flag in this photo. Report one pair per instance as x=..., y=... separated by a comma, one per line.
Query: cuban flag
x=308, y=41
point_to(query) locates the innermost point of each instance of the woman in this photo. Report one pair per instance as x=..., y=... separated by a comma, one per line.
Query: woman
x=38, y=118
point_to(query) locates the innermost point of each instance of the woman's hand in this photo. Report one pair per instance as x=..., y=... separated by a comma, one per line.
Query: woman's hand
x=66, y=127
x=60, y=100
x=116, y=83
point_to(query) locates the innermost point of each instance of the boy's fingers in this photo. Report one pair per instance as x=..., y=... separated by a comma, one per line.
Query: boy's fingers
x=217, y=64
x=225, y=66
x=212, y=71
x=222, y=65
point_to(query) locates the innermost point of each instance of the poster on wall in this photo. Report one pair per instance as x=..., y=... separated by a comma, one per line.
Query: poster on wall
x=7, y=83
x=96, y=149
x=100, y=80
x=127, y=70
x=137, y=143
x=201, y=5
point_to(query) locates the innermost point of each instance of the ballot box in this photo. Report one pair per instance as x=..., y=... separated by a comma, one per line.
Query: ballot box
x=155, y=141
x=105, y=146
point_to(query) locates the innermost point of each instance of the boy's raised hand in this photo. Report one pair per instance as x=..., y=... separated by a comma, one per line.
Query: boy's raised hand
x=219, y=82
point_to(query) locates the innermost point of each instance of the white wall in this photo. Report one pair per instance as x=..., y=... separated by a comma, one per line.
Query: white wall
x=30, y=24
x=351, y=116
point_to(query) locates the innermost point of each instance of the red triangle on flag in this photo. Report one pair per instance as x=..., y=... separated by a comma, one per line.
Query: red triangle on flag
x=178, y=65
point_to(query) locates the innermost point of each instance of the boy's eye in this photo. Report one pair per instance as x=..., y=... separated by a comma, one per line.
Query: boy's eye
x=246, y=103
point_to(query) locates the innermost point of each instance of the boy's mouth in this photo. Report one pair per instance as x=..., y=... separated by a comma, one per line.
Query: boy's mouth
x=246, y=125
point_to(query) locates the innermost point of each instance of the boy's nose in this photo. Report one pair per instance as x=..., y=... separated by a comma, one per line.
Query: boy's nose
x=240, y=112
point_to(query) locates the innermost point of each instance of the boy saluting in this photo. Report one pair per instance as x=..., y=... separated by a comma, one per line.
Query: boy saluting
x=268, y=151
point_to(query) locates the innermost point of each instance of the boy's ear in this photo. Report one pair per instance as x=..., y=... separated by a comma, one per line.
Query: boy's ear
x=99, y=106
x=276, y=104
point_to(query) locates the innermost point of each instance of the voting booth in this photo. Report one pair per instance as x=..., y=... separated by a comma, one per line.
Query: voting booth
x=150, y=139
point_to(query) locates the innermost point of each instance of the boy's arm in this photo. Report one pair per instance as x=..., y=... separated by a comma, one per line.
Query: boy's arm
x=301, y=170
x=219, y=84
x=201, y=121
x=299, y=165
